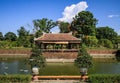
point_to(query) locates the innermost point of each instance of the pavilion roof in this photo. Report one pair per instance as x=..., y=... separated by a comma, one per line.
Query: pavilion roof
x=57, y=37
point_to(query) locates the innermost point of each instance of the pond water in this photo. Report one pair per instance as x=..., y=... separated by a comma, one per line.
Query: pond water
x=18, y=66
x=14, y=66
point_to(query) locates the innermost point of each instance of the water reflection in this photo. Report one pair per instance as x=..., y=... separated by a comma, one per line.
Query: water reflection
x=14, y=67
x=18, y=66
x=106, y=68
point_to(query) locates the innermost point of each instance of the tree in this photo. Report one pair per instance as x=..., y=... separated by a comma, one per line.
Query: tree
x=84, y=23
x=43, y=25
x=31, y=39
x=117, y=41
x=64, y=27
x=36, y=58
x=83, y=60
x=22, y=32
x=23, y=39
x=90, y=41
x=1, y=36
x=10, y=36
x=106, y=33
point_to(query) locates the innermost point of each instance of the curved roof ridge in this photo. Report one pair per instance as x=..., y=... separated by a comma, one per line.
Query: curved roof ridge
x=57, y=36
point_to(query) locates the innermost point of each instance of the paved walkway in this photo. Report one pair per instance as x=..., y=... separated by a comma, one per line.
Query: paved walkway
x=57, y=81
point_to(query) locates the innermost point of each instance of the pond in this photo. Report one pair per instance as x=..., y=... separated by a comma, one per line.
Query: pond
x=18, y=66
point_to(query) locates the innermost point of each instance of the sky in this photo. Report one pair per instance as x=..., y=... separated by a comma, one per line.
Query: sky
x=17, y=13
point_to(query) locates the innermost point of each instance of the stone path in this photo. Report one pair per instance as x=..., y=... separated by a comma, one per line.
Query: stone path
x=57, y=81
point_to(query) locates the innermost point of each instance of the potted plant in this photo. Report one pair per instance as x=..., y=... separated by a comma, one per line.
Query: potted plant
x=83, y=60
x=36, y=60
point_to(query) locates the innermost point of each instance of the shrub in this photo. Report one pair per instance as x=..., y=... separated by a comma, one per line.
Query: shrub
x=15, y=78
x=104, y=78
x=105, y=43
x=90, y=41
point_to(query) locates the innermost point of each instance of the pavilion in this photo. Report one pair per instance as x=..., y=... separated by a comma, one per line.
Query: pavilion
x=60, y=41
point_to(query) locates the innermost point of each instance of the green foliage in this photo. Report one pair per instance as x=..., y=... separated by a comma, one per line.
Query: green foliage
x=83, y=60
x=43, y=25
x=90, y=41
x=106, y=33
x=22, y=32
x=38, y=33
x=105, y=43
x=36, y=58
x=1, y=36
x=8, y=44
x=117, y=42
x=64, y=27
x=104, y=78
x=15, y=78
x=10, y=36
x=84, y=23
x=23, y=39
x=117, y=39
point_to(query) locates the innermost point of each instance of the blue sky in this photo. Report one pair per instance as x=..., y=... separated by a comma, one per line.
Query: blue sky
x=17, y=13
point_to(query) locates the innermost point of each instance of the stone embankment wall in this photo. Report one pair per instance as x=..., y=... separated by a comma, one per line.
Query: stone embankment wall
x=102, y=53
x=58, y=55
x=15, y=53
x=73, y=55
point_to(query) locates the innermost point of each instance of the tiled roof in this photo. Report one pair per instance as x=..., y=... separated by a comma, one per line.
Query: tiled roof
x=57, y=37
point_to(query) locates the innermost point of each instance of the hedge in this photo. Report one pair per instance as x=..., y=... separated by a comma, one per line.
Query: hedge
x=104, y=78
x=15, y=78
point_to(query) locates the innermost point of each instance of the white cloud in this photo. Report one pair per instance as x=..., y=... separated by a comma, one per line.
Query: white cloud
x=71, y=11
x=112, y=16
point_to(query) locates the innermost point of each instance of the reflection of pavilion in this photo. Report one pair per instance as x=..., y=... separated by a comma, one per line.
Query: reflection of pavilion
x=58, y=42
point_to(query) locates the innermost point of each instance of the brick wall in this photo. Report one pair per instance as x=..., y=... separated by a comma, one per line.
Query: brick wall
x=73, y=54
x=58, y=55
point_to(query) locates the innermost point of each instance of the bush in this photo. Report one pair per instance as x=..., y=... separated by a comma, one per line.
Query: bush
x=15, y=78
x=105, y=43
x=104, y=78
x=90, y=41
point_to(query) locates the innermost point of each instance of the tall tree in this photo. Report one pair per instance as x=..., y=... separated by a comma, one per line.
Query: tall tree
x=22, y=32
x=43, y=25
x=84, y=23
x=10, y=36
x=23, y=39
x=106, y=33
x=1, y=36
x=64, y=27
